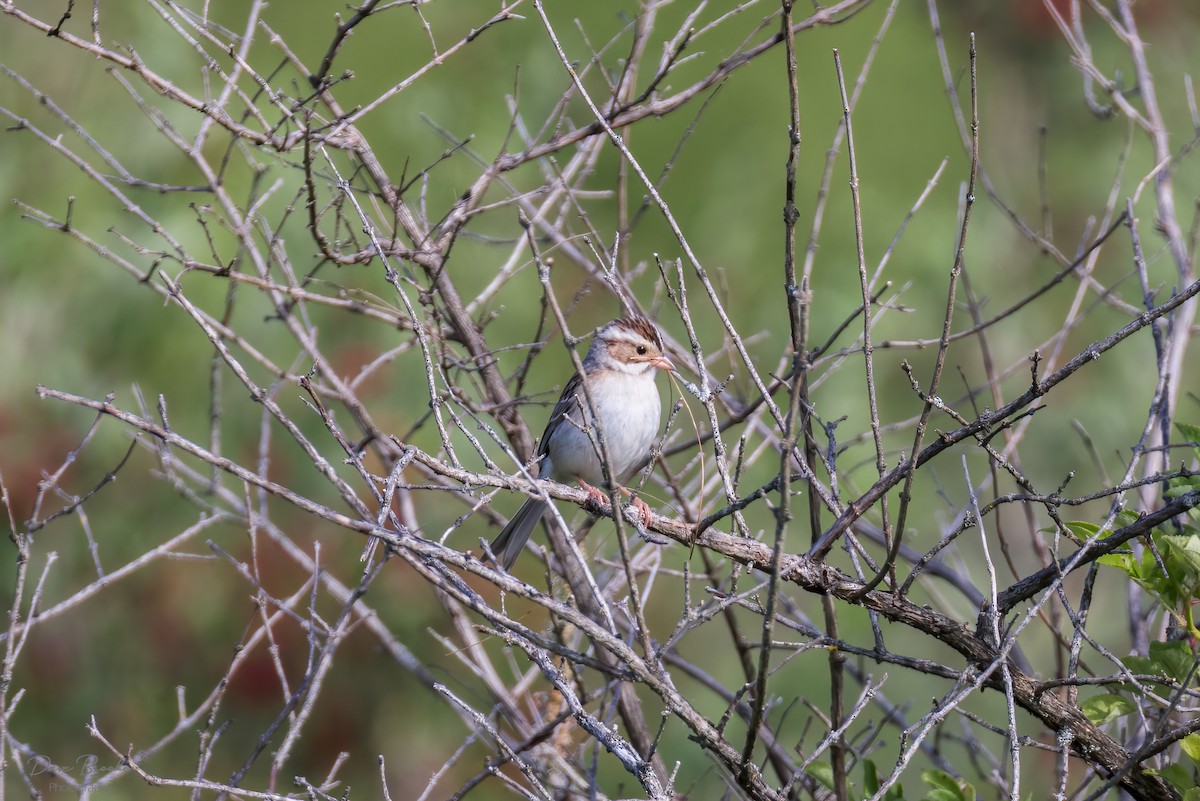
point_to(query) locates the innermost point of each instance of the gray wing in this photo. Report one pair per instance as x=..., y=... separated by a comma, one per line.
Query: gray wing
x=568, y=401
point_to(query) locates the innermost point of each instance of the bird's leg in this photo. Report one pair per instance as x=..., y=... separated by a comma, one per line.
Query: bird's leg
x=601, y=498
x=597, y=495
x=641, y=508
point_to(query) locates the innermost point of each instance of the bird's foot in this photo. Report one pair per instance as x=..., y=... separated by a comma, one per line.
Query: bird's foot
x=642, y=509
x=597, y=495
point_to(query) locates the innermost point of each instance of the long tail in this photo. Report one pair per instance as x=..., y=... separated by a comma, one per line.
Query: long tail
x=508, y=546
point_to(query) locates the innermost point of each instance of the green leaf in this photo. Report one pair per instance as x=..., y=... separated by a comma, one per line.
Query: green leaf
x=1191, y=747
x=1181, y=486
x=1083, y=530
x=1182, y=557
x=870, y=777
x=1144, y=665
x=1125, y=517
x=1121, y=561
x=871, y=783
x=1176, y=776
x=1172, y=658
x=822, y=772
x=1191, y=794
x=939, y=779
x=1189, y=432
x=1101, y=709
x=1182, y=560
x=942, y=795
x=946, y=787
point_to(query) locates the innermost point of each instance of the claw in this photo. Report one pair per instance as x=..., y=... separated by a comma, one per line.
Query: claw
x=600, y=497
x=642, y=509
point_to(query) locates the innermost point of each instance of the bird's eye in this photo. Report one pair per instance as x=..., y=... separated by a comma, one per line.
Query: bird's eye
x=641, y=349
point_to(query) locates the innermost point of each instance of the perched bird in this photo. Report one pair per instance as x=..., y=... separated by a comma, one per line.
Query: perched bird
x=620, y=366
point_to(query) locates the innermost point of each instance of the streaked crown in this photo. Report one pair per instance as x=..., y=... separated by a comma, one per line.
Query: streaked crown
x=634, y=330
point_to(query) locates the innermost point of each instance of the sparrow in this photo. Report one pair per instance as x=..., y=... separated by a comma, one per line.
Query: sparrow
x=621, y=365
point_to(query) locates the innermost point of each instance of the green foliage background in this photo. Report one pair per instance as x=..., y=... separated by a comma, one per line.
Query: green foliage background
x=70, y=320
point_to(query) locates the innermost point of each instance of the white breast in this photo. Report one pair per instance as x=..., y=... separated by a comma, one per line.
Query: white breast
x=629, y=411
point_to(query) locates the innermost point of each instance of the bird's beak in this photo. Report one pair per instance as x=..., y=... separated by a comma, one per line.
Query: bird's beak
x=663, y=363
